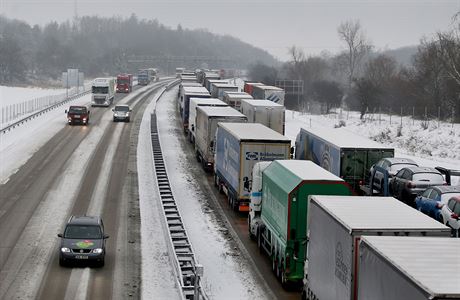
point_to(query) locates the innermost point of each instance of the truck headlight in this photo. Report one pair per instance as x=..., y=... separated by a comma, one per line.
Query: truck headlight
x=65, y=250
x=97, y=251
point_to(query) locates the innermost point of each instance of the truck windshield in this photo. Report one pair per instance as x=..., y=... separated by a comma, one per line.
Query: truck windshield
x=122, y=81
x=100, y=90
x=82, y=232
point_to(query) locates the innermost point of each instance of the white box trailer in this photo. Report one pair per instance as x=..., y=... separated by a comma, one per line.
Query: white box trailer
x=194, y=103
x=209, y=82
x=239, y=146
x=336, y=225
x=218, y=89
x=265, y=112
x=403, y=268
x=186, y=93
x=268, y=92
x=233, y=99
x=207, y=118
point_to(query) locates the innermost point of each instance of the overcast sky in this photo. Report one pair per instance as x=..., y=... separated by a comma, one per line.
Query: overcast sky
x=273, y=25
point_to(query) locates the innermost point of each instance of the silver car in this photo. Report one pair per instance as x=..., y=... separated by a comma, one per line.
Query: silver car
x=121, y=113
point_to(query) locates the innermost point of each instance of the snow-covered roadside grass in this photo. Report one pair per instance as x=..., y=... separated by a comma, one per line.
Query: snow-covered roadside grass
x=158, y=280
x=13, y=95
x=226, y=274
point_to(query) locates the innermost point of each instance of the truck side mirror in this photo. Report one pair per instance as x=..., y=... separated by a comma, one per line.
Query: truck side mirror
x=65, y=111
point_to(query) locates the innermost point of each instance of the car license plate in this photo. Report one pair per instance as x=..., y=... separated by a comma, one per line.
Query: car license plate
x=77, y=116
x=81, y=256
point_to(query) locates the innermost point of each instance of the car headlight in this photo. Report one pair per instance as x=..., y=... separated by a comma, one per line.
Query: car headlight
x=65, y=249
x=97, y=251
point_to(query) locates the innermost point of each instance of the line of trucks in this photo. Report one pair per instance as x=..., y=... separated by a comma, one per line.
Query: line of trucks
x=305, y=214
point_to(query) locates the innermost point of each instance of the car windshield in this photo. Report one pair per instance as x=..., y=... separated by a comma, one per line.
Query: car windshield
x=77, y=110
x=429, y=177
x=121, y=108
x=82, y=232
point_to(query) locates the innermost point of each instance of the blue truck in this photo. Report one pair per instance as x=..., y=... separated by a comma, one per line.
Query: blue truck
x=341, y=152
x=239, y=146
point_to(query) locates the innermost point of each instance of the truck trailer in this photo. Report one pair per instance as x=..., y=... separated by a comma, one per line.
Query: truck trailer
x=210, y=84
x=336, y=225
x=249, y=85
x=238, y=147
x=103, y=91
x=124, y=83
x=265, y=112
x=218, y=89
x=272, y=93
x=402, y=268
x=279, y=210
x=186, y=93
x=209, y=76
x=207, y=118
x=233, y=99
x=194, y=103
x=341, y=152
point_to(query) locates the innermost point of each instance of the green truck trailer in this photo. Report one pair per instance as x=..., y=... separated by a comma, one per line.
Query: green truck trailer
x=279, y=210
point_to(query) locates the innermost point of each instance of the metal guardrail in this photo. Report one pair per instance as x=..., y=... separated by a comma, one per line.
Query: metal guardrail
x=40, y=112
x=188, y=271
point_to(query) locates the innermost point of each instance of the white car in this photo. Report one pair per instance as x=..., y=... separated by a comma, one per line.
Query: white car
x=451, y=215
x=121, y=113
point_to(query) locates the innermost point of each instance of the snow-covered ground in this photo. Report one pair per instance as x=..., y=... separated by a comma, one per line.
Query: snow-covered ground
x=14, y=95
x=224, y=274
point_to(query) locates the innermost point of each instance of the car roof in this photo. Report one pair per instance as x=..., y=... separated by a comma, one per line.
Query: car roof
x=125, y=105
x=78, y=106
x=415, y=169
x=400, y=160
x=84, y=220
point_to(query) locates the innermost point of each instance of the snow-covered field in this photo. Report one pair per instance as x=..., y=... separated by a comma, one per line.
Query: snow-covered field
x=14, y=95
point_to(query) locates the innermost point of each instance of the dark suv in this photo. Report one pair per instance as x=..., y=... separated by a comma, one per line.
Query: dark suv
x=83, y=240
x=77, y=114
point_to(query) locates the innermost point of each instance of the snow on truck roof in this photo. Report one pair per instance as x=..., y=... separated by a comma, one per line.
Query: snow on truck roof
x=262, y=102
x=307, y=170
x=268, y=87
x=357, y=213
x=220, y=111
x=343, y=138
x=208, y=101
x=254, y=132
x=237, y=95
x=431, y=263
x=224, y=85
x=195, y=90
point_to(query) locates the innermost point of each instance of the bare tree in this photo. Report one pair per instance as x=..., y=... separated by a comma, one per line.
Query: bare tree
x=358, y=46
x=298, y=57
x=448, y=45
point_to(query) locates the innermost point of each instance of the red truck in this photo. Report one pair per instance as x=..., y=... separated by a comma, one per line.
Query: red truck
x=124, y=83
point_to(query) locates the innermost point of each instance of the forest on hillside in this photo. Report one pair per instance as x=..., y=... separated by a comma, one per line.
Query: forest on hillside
x=106, y=46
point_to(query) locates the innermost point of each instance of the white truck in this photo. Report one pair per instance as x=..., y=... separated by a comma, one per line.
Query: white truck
x=103, y=91
x=207, y=118
x=268, y=92
x=211, y=82
x=218, y=89
x=402, y=268
x=239, y=146
x=194, y=103
x=233, y=99
x=265, y=112
x=336, y=225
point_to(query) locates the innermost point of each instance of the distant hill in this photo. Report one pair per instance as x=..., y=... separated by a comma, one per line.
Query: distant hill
x=99, y=46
